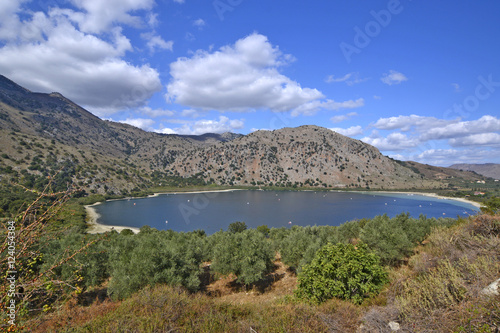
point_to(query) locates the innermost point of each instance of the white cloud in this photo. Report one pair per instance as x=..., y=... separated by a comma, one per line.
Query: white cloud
x=340, y=118
x=224, y=124
x=53, y=55
x=156, y=42
x=179, y=1
x=406, y=123
x=351, y=131
x=393, y=142
x=310, y=108
x=155, y=113
x=98, y=16
x=145, y=124
x=241, y=77
x=200, y=23
x=393, y=78
x=447, y=157
x=10, y=24
x=349, y=79
x=483, y=139
x=427, y=139
x=153, y=20
x=485, y=124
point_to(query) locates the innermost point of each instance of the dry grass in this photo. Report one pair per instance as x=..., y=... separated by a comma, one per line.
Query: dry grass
x=442, y=290
x=279, y=283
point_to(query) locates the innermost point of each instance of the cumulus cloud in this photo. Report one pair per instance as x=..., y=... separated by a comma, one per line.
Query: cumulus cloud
x=406, y=123
x=224, y=124
x=447, y=157
x=483, y=139
x=426, y=139
x=393, y=77
x=50, y=53
x=351, y=131
x=142, y=123
x=340, y=118
x=485, y=124
x=240, y=77
x=98, y=16
x=311, y=108
x=393, y=142
x=155, y=42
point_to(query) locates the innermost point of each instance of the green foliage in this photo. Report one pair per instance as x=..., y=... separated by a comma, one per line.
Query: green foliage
x=236, y=227
x=394, y=239
x=153, y=257
x=491, y=206
x=294, y=246
x=89, y=268
x=247, y=254
x=264, y=229
x=342, y=271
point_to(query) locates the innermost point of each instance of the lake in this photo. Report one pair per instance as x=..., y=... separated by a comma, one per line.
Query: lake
x=212, y=211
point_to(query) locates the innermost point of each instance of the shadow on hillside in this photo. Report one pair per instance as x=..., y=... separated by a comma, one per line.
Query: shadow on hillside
x=229, y=284
x=94, y=296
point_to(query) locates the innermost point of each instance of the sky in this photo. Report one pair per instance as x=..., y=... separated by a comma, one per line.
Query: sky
x=419, y=80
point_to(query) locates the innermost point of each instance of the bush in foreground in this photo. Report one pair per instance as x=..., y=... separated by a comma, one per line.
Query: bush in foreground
x=343, y=271
x=247, y=254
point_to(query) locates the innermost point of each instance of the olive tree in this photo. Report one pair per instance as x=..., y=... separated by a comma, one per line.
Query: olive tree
x=247, y=254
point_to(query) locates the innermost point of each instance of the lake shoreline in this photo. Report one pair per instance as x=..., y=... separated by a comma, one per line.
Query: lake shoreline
x=94, y=227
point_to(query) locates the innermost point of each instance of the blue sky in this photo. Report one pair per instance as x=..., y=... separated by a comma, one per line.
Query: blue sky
x=419, y=80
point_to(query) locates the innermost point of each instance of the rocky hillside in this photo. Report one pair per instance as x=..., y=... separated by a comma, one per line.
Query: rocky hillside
x=307, y=155
x=491, y=170
x=43, y=133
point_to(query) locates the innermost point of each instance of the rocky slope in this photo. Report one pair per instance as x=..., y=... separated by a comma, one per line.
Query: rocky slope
x=38, y=131
x=491, y=170
x=307, y=155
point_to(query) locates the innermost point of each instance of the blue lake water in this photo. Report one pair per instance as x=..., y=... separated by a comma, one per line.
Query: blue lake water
x=212, y=211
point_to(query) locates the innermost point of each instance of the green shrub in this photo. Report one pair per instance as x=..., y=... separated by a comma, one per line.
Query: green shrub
x=153, y=257
x=237, y=227
x=246, y=254
x=343, y=271
x=293, y=247
x=387, y=238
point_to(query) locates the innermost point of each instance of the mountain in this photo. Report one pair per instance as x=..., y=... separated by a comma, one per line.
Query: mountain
x=37, y=127
x=43, y=133
x=307, y=155
x=491, y=170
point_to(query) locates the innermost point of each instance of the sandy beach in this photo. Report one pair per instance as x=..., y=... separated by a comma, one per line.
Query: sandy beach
x=96, y=228
x=433, y=195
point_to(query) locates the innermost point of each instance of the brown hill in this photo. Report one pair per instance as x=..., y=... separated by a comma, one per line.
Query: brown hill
x=40, y=130
x=491, y=170
x=307, y=155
